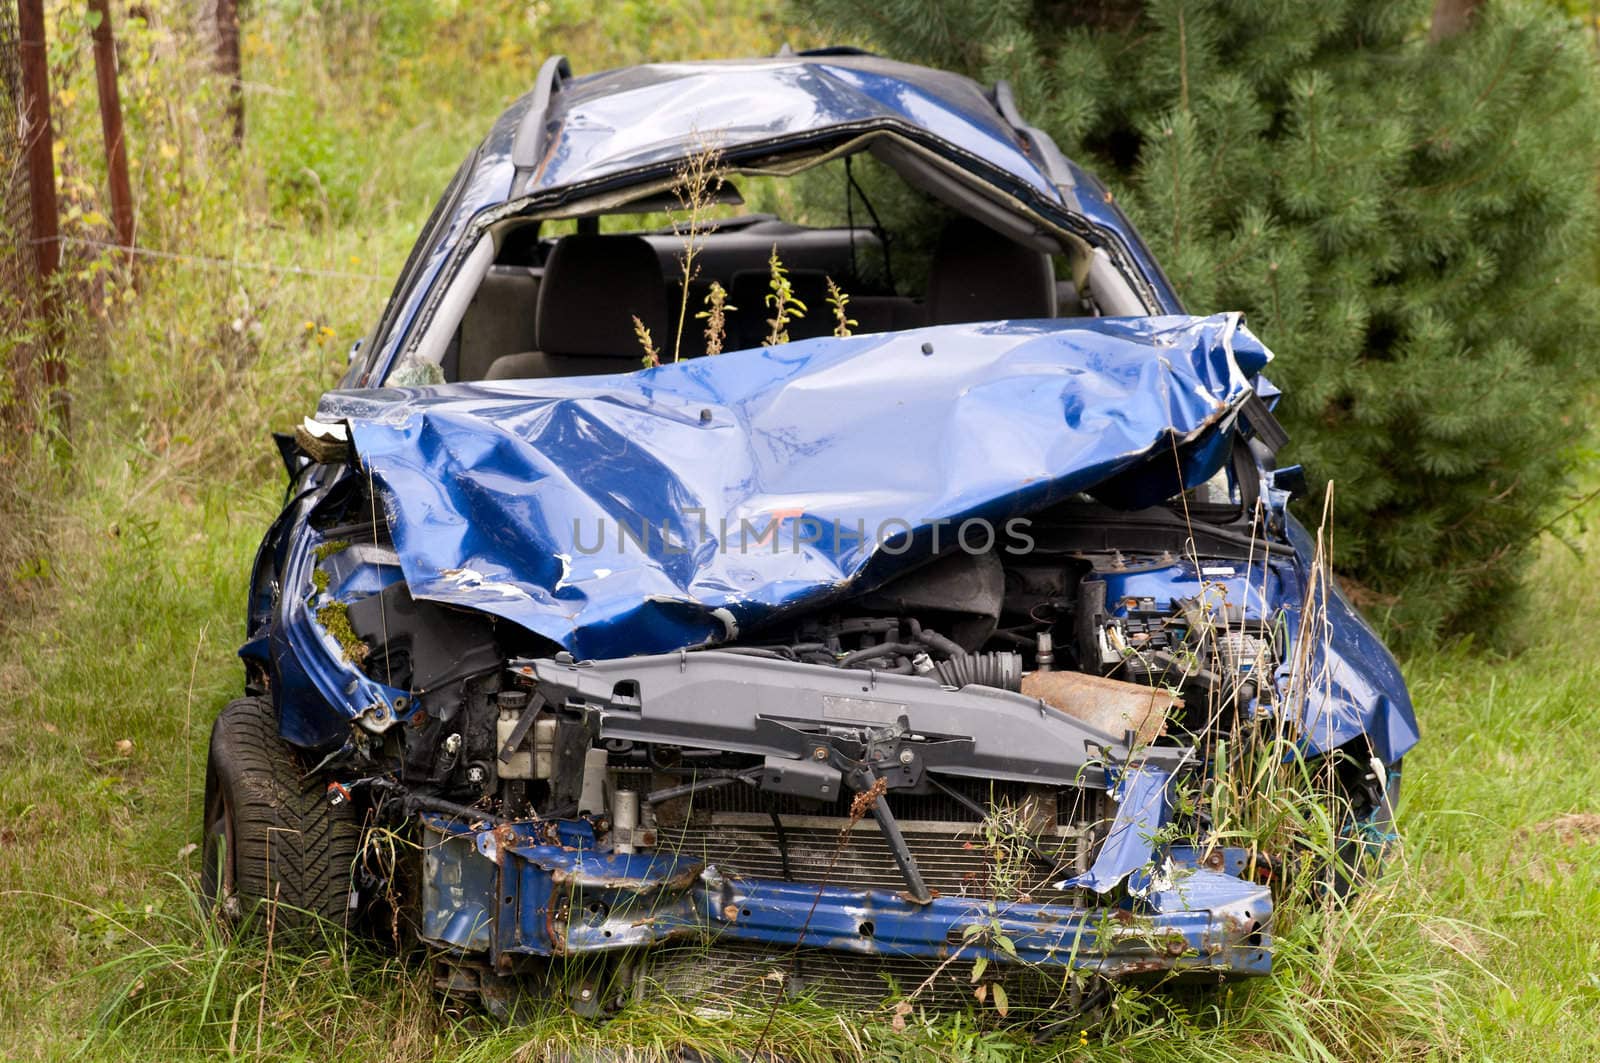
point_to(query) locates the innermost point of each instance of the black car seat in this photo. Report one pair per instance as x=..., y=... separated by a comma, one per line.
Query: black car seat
x=979, y=275
x=748, y=290
x=593, y=288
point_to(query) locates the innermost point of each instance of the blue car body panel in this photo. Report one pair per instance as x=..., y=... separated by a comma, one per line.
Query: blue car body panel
x=641, y=513
x=1354, y=688
x=650, y=511
x=563, y=899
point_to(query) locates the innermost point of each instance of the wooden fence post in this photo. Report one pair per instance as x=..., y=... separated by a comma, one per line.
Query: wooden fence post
x=228, y=65
x=105, y=74
x=40, y=148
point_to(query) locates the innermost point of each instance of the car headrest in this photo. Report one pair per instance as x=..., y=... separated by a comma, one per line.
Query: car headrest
x=593, y=287
x=980, y=275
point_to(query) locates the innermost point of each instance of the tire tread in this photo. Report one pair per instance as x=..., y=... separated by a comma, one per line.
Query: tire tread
x=292, y=844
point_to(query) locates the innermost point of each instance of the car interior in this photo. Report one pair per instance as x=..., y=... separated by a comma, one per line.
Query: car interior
x=557, y=295
x=564, y=306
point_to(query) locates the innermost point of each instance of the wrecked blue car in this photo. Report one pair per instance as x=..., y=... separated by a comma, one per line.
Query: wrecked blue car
x=784, y=536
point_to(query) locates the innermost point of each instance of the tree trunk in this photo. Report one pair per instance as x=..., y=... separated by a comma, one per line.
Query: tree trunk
x=37, y=137
x=1450, y=17
x=39, y=144
x=227, y=58
x=105, y=70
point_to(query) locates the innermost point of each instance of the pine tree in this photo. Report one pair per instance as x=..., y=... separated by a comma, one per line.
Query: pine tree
x=1408, y=222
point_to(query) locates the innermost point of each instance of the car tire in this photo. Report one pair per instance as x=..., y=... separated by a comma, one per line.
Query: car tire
x=269, y=834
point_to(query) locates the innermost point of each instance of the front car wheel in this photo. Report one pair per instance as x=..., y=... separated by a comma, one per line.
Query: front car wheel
x=271, y=835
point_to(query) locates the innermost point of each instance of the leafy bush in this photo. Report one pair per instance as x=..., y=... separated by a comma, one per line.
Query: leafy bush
x=1408, y=224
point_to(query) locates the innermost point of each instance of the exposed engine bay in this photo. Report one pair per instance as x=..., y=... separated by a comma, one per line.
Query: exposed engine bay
x=1071, y=628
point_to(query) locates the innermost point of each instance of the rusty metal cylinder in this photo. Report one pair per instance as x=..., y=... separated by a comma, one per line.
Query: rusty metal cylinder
x=1045, y=652
x=624, y=820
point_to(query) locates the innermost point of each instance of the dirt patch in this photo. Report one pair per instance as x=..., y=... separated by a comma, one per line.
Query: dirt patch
x=1455, y=936
x=1572, y=827
x=1363, y=597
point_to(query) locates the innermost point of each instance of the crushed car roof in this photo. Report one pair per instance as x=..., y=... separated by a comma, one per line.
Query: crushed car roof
x=573, y=137
x=620, y=120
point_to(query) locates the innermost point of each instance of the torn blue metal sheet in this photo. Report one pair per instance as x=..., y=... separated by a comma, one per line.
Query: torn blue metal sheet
x=311, y=666
x=1143, y=806
x=1352, y=686
x=645, y=512
x=506, y=890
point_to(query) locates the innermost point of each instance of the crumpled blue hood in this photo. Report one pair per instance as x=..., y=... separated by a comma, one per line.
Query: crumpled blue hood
x=648, y=511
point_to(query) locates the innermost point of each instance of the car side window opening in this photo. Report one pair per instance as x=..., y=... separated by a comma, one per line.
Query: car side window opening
x=437, y=219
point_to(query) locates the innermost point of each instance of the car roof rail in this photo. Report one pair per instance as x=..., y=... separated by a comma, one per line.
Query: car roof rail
x=1054, y=163
x=529, y=142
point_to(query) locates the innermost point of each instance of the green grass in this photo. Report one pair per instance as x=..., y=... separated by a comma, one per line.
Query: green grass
x=1480, y=944
x=1483, y=942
